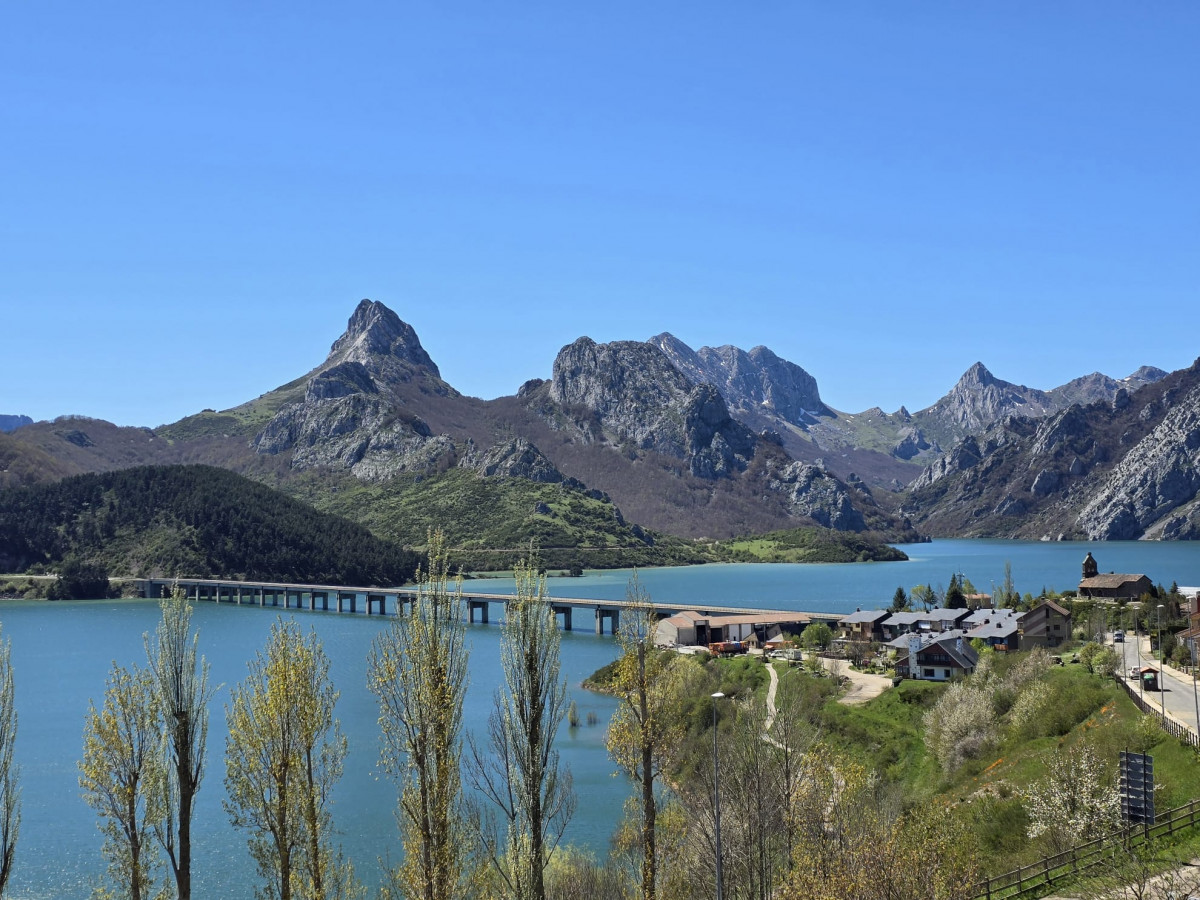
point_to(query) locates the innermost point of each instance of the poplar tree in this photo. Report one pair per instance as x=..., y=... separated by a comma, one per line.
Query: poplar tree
x=122, y=778
x=10, y=793
x=182, y=695
x=417, y=668
x=518, y=767
x=643, y=732
x=283, y=755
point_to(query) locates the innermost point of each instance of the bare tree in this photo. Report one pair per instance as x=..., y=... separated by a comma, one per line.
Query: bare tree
x=417, y=669
x=10, y=792
x=518, y=767
x=182, y=695
x=643, y=734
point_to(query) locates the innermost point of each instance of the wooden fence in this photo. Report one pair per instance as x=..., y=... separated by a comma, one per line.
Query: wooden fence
x=1028, y=881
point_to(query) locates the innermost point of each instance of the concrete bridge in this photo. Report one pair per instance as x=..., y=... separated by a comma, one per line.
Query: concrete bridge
x=379, y=601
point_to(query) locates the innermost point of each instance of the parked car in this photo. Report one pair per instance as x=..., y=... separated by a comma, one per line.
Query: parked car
x=1118, y=637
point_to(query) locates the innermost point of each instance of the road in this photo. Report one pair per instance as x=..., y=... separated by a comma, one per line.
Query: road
x=1178, y=694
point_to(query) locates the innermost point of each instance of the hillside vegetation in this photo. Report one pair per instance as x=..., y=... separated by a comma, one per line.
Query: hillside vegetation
x=190, y=520
x=809, y=545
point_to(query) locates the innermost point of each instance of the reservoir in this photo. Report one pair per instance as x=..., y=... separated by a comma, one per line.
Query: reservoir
x=62, y=653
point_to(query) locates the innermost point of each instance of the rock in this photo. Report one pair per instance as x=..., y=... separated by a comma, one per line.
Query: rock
x=341, y=380
x=1160, y=473
x=758, y=381
x=1045, y=483
x=640, y=400
x=812, y=492
x=517, y=458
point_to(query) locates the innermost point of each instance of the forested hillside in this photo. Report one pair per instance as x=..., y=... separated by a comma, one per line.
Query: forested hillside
x=190, y=520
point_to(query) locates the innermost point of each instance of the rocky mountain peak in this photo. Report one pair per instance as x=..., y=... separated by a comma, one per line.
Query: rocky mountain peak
x=977, y=376
x=759, y=383
x=376, y=337
x=641, y=400
x=1146, y=375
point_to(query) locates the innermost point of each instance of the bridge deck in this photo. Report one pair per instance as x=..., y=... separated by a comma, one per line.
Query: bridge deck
x=213, y=589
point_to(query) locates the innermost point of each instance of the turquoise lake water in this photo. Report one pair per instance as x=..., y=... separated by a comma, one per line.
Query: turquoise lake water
x=62, y=653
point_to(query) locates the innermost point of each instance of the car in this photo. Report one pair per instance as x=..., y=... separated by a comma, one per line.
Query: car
x=1118, y=637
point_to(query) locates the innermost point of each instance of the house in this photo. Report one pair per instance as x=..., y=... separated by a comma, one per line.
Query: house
x=690, y=628
x=938, y=657
x=863, y=626
x=933, y=621
x=683, y=629
x=1046, y=625
x=1112, y=586
x=999, y=629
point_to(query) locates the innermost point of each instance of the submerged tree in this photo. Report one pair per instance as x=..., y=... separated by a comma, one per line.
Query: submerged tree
x=122, y=778
x=643, y=733
x=181, y=695
x=518, y=767
x=283, y=755
x=10, y=793
x=417, y=669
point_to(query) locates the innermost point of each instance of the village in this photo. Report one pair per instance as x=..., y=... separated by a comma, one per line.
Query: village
x=941, y=643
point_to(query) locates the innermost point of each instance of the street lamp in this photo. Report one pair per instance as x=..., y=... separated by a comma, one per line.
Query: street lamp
x=1162, y=667
x=717, y=790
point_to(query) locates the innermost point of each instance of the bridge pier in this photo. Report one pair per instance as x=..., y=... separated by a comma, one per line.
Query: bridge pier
x=347, y=599
x=482, y=606
x=565, y=612
x=612, y=614
x=373, y=599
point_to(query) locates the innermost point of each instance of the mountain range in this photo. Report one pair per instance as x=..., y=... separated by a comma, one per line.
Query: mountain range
x=698, y=444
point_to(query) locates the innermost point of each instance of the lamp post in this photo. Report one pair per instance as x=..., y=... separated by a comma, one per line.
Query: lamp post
x=717, y=790
x=1162, y=659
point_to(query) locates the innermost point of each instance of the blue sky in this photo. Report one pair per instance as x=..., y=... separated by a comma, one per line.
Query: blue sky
x=195, y=196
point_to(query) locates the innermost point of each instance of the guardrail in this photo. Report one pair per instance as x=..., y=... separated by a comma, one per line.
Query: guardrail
x=1027, y=881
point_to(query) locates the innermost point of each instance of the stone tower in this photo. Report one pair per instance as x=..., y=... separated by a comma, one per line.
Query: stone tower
x=1090, y=568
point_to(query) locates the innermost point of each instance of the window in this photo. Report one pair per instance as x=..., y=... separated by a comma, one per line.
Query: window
x=928, y=673
x=947, y=673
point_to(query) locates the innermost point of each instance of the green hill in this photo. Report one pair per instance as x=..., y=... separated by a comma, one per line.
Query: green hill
x=189, y=520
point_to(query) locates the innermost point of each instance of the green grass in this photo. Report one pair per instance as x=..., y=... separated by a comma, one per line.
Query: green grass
x=490, y=522
x=808, y=545
x=246, y=419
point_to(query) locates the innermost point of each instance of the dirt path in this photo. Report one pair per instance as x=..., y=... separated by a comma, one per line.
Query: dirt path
x=863, y=686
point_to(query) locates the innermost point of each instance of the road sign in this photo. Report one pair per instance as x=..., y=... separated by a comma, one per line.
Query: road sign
x=1137, y=788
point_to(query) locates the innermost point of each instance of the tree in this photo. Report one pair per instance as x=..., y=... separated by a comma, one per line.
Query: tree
x=10, y=793
x=417, y=669
x=518, y=768
x=817, y=636
x=899, y=601
x=79, y=581
x=181, y=695
x=122, y=778
x=955, y=598
x=1075, y=801
x=853, y=844
x=926, y=596
x=1007, y=596
x=283, y=755
x=643, y=734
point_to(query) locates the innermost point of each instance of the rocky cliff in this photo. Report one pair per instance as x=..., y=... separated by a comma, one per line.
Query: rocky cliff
x=351, y=415
x=12, y=423
x=1122, y=468
x=641, y=402
x=755, y=382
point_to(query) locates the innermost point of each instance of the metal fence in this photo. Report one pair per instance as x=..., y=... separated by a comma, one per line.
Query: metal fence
x=1027, y=881
x=1169, y=725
